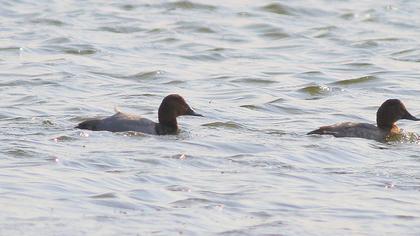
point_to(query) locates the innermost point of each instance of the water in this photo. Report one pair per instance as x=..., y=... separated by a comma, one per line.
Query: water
x=262, y=72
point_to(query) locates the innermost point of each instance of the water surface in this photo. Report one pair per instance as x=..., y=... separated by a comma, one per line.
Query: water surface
x=263, y=73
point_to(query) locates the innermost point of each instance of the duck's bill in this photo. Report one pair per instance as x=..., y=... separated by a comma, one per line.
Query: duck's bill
x=408, y=116
x=191, y=112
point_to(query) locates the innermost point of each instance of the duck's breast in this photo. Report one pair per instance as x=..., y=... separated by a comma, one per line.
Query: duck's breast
x=121, y=122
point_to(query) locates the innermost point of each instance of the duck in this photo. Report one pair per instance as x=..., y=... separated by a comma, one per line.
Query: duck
x=387, y=115
x=171, y=107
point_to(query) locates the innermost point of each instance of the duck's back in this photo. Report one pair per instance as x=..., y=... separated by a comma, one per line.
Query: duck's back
x=349, y=129
x=120, y=122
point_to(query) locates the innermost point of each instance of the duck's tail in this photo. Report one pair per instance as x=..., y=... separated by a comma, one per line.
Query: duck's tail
x=317, y=131
x=323, y=130
x=88, y=124
x=117, y=109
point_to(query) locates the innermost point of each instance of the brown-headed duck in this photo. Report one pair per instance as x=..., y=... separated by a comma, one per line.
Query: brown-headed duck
x=171, y=107
x=388, y=113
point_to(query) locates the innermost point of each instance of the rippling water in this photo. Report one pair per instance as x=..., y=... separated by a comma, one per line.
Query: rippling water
x=262, y=72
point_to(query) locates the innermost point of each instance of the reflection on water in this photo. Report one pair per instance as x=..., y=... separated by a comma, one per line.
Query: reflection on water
x=263, y=73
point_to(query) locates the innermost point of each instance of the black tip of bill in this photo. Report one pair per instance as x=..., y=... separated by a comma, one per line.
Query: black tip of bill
x=408, y=116
x=191, y=112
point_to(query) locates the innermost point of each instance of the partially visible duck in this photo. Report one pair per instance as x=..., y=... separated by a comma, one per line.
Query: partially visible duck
x=388, y=113
x=171, y=107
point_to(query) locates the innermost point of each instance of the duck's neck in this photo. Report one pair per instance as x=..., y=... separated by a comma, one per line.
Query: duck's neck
x=384, y=122
x=168, y=126
x=393, y=128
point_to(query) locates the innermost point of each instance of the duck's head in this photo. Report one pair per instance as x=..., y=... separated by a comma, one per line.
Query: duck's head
x=173, y=106
x=390, y=112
